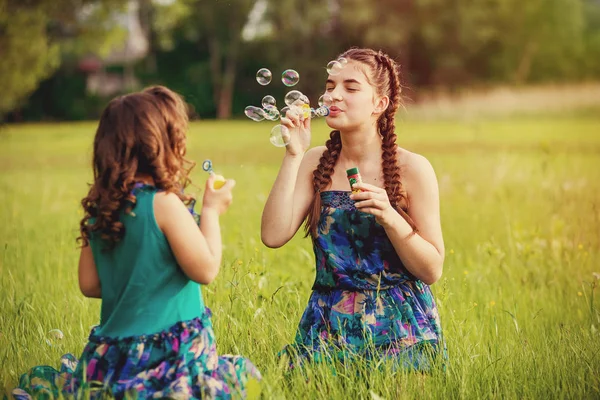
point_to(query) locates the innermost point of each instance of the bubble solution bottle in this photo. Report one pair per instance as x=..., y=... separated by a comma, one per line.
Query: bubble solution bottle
x=354, y=178
x=219, y=181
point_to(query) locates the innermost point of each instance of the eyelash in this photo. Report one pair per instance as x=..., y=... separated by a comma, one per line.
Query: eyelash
x=350, y=90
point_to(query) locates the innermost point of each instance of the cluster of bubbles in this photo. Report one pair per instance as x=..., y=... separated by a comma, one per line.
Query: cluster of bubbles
x=296, y=103
x=334, y=67
x=289, y=77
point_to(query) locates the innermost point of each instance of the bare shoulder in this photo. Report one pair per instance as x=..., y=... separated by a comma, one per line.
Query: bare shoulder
x=164, y=201
x=167, y=207
x=416, y=170
x=312, y=156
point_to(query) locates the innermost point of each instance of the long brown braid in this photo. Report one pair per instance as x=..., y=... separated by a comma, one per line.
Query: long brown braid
x=322, y=178
x=385, y=78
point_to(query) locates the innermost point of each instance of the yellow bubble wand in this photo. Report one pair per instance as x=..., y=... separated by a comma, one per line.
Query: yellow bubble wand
x=219, y=181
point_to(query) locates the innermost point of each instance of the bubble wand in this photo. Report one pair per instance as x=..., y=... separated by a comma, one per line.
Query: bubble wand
x=219, y=180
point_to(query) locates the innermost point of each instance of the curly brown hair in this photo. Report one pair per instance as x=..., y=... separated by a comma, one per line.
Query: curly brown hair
x=384, y=76
x=139, y=134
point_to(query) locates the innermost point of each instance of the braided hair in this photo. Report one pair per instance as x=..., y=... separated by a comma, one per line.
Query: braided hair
x=385, y=78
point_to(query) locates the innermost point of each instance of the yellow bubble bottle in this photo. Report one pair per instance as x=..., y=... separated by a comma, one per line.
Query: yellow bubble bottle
x=219, y=181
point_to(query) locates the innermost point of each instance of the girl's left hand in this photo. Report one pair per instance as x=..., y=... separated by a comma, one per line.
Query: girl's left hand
x=375, y=201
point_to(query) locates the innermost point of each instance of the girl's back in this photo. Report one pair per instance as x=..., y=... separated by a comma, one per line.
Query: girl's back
x=143, y=288
x=145, y=256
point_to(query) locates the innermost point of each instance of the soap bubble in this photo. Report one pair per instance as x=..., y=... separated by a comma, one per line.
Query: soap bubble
x=322, y=111
x=53, y=336
x=343, y=61
x=313, y=113
x=292, y=97
x=271, y=113
x=280, y=136
x=294, y=111
x=325, y=100
x=255, y=113
x=268, y=100
x=56, y=333
x=334, y=67
x=284, y=111
x=289, y=77
x=263, y=76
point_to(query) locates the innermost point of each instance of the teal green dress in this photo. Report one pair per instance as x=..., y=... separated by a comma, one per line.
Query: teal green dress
x=155, y=337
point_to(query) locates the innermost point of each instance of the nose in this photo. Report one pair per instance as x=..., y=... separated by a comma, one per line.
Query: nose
x=336, y=94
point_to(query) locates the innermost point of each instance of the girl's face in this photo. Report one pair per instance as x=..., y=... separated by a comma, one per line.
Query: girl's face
x=354, y=101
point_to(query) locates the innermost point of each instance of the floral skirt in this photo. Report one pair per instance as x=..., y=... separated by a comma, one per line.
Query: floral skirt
x=399, y=324
x=180, y=362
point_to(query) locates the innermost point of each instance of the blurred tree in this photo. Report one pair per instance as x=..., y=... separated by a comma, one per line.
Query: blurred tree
x=538, y=40
x=302, y=35
x=210, y=50
x=36, y=35
x=456, y=42
x=590, y=57
x=217, y=26
x=211, y=32
x=221, y=25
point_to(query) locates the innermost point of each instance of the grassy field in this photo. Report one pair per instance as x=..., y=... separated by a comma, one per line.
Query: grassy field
x=518, y=299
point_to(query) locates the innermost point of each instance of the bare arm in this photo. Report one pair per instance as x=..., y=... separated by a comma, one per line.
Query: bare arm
x=292, y=191
x=421, y=253
x=289, y=198
x=197, y=251
x=89, y=282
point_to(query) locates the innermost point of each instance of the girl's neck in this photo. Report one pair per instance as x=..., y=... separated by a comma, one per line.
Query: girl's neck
x=360, y=147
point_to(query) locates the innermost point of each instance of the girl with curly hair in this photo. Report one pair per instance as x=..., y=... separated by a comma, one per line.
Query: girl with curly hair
x=145, y=256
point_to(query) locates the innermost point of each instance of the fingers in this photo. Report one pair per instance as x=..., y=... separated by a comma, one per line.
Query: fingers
x=366, y=195
x=361, y=195
x=218, y=183
x=371, y=203
x=287, y=122
x=210, y=181
x=229, y=184
x=306, y=123
x=296, y=118
x=373, y=211
x=368, y=187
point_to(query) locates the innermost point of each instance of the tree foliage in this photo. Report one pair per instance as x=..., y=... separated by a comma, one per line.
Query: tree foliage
x=210, y=50
x=36, y=36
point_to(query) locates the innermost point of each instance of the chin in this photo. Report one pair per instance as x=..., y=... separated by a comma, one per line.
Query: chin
x=334, y=123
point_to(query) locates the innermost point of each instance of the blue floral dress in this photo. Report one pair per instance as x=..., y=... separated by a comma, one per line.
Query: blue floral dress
x=364, y=302
x=155, y=338
x=180, y=362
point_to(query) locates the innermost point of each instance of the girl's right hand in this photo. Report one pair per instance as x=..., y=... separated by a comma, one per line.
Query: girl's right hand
x=299, y=128
x=217, y=199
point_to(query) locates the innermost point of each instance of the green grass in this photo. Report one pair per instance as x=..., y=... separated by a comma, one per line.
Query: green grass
x=518, y=299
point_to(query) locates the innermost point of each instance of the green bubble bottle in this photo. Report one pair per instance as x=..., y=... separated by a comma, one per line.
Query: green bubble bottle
x=354, y=178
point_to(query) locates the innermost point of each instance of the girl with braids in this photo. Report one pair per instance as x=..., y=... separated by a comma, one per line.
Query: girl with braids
x=145, y=256
x=376, y=251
